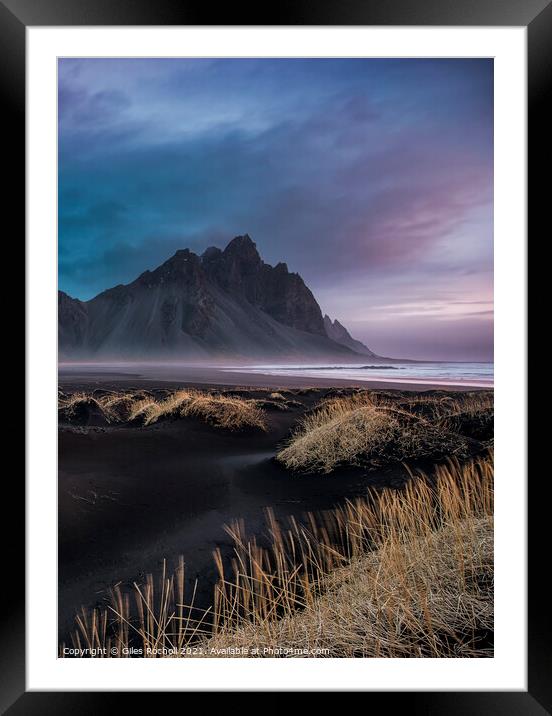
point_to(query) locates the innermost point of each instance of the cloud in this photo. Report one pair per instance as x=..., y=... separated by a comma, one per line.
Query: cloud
x=363, y=175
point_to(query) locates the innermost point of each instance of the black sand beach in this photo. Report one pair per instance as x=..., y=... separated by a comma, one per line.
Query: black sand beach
x=131, y=496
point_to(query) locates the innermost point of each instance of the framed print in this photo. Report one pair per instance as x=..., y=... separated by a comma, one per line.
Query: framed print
x=276, y=348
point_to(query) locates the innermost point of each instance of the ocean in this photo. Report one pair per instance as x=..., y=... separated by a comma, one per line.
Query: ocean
x=444, y=373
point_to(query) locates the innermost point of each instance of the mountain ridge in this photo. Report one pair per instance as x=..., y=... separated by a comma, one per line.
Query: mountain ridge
x=224, y=302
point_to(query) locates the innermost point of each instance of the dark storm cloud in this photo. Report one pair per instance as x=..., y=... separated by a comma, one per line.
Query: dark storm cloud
x=372, y=178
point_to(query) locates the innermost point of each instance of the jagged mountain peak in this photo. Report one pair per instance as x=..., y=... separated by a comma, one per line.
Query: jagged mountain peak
x=242, y=244
x=242, y=253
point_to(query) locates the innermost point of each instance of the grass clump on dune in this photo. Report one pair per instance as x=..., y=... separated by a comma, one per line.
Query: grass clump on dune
x=119, y=406
x=98, y=407
x=228, y=412
x=225, y=412
x=400, y=573
x=151, y=409
x=361, y=429
x=437, y=405
x=231, y=413
x=338, y=432
x=69, y=404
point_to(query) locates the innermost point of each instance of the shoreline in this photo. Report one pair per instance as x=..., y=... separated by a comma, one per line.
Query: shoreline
x=213, y=376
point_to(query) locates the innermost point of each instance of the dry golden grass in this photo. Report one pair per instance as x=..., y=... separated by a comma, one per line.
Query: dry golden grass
x=224, y=411
x=150, y=409
x=338, y=432
x=114, y=406
x=231, y=413
x=400, y=573
x=472, y=403
x=69, y=402
x=428, y=597
x=366, y=429
x=474, y=414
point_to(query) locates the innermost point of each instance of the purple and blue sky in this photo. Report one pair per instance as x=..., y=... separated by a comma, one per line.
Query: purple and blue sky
x=372, y=178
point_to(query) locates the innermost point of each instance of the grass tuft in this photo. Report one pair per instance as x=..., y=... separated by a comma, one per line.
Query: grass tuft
x=231, y=413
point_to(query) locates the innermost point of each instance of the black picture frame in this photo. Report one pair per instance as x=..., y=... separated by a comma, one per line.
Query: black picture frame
x=15, y=17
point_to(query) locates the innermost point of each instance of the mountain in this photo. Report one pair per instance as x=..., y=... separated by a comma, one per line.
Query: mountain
x=224, y=303
x=338, y=333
